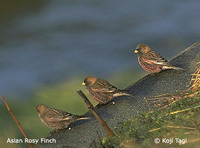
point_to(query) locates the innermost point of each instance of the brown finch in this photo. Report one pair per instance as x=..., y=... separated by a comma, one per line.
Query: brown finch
x=151, y=61
x=54, y=118
x=101, y=90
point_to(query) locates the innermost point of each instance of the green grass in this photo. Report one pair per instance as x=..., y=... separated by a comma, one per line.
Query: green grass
x=141, y=130
x=62, y=96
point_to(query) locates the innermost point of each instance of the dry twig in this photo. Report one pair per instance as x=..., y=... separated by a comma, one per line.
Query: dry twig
x=16, y=121
x=165, y=100
x=91, y=107
x=170, y=126
x=147, y=103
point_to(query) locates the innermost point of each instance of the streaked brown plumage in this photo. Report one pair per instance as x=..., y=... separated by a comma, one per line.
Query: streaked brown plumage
x=151, y=61
x=101, y=90
x=54, y=118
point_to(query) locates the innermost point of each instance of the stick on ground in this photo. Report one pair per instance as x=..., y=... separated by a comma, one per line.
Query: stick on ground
x=91, y=107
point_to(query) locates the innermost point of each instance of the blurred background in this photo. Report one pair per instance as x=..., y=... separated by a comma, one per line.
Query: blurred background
x=47, y=48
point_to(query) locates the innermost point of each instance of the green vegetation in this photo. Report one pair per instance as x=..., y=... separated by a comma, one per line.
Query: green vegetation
x=178, y=120
x=174, y=122
x=62, y=96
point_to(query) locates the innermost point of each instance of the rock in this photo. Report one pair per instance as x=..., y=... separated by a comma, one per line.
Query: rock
x=170, y=81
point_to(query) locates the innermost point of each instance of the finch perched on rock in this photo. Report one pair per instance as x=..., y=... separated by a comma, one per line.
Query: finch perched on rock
x=151, y=61
x=54, y=118
x=101, y=90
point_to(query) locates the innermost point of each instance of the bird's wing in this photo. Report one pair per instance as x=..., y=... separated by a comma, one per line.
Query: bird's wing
x=57, y=115
x=67, y=116
x=154, y=58
x=106, y=89
x=52, y=119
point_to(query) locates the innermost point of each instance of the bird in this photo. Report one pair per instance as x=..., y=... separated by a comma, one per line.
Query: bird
x=151, y=61
x=56, y=119
x=101, y=90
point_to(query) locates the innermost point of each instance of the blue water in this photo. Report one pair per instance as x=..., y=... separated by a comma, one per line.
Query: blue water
x=62, y=39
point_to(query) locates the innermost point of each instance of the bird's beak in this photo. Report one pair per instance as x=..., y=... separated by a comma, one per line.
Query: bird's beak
x=135, y=51
x=83, y=84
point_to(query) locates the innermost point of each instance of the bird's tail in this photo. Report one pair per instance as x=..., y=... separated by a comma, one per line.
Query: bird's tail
x=122, y=93
x=172, y=67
